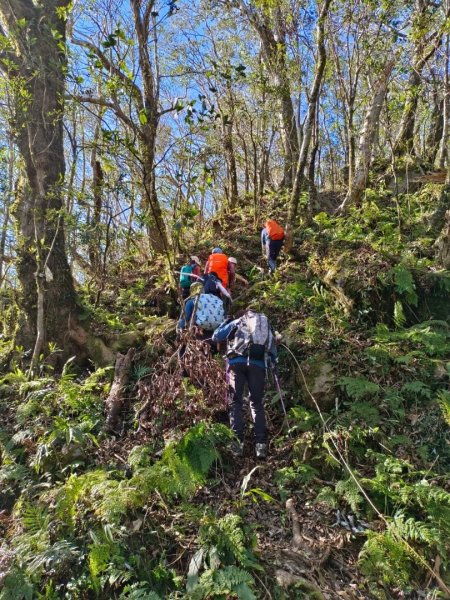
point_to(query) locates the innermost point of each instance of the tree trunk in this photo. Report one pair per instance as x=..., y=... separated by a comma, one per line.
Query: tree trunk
x=442, y=156
x=94, y=249
x=405, y=138
x=233, y=198
x=38, y=71
x=308, y=125
x=436, y=127
x=424, y=49
x=367, y=139
x=351, y=144
x=6, y=213
x=156, y=227
x=273, y=46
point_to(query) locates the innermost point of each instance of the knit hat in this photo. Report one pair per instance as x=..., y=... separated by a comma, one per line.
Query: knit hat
x=217, y=250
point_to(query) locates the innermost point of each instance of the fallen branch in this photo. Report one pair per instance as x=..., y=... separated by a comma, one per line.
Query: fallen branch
x=296, y=535
x=286, y=579
x=115, y=400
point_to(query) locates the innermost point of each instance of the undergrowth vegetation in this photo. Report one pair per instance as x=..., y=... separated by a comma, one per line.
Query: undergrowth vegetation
x=165, y=511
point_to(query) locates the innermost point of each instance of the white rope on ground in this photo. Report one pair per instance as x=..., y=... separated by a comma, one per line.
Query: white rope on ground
x=442, y=585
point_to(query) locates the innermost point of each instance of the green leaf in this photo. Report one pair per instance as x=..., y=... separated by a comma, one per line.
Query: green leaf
x=143, y=117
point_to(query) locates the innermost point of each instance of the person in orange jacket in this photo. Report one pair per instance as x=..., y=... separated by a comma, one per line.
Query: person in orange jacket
x=219, y=263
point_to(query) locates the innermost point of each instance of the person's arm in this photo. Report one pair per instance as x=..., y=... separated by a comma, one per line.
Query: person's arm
x=263, y=241
x=273, y=352
x=224, y=331
x=231, y=273
x=224, y=291
x=186, y=314
x=241, y=279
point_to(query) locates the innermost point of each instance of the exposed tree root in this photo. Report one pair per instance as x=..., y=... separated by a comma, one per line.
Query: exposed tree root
x=114, y=402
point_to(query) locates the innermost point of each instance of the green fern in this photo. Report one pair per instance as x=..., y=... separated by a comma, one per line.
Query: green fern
x=139, y=456
x=138, y=591
x=350, y=492
x=183, y=465
x=416, y=388
x=410, y=529
x=15, y=585
x=404, y=284
x=75, y=488
x=328, y=496
x=226, y=537
x=222, y=583
x=384, y=559
x=399, y=315
x=358, y=387
x=443, y=399
x=100, y=554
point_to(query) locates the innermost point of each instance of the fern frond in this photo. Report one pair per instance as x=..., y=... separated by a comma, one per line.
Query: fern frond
x=221, y=583
x=226, y=536
x=384, y=558
x=358, y=387
x=404, y=284
x=399, y=315
x=410, y=529
x=138, y=591
x=416, y=388
x=351, y=493
x=443, y=399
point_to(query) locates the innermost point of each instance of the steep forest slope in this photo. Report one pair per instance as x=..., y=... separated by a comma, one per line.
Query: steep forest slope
x=354, y=499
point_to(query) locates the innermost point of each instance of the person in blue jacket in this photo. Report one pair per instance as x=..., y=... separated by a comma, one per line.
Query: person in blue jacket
x=245, y=370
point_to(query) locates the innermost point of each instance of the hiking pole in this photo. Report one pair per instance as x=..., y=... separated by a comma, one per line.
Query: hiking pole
x=280, y=393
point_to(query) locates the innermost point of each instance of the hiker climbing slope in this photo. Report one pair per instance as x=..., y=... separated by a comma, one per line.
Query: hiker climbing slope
x=188, y=275
x=251, y=346
x=225, y=269
x=201, y=310
x=272, y=239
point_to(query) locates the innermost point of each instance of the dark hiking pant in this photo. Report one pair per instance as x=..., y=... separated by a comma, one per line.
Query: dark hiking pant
x=238, y=376
x=273, y=249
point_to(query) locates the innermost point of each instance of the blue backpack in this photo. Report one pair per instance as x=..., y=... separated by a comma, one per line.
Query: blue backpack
x=185, y=280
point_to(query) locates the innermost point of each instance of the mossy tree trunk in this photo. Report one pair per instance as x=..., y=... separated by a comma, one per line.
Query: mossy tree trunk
x=35, y=62
x=367, y=140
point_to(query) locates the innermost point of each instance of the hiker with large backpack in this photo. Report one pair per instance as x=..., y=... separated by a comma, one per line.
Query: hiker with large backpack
x=201, y=310
x=272, y=239
x=251, y=349
x=224, y=268
x=189, y=274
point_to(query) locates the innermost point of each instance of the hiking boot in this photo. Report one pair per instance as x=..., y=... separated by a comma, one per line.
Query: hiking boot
x=261, y=450
x=237, y=448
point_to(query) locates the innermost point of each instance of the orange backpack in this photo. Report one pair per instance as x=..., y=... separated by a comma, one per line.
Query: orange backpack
x=218, y=263
x=274, y=230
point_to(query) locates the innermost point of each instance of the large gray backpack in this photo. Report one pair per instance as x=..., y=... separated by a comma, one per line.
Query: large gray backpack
x=253, y=337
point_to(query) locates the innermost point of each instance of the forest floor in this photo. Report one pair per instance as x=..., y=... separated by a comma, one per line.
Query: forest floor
x=354, y=498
